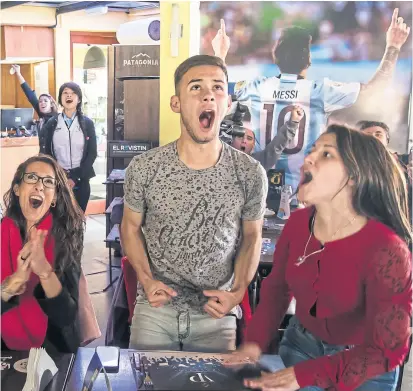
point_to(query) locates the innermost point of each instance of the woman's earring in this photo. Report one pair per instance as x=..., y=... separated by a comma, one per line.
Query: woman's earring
x=53, y=204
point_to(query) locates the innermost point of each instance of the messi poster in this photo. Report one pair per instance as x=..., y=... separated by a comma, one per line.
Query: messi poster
x=327, y=57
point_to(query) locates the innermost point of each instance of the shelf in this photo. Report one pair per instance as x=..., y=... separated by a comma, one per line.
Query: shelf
x=113, y=183
x=115, y=201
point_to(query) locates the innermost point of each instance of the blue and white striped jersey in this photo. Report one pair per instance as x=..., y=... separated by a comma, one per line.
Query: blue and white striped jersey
x=271, y=100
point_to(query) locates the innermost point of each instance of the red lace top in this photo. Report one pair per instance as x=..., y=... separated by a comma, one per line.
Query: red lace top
x=361, y=287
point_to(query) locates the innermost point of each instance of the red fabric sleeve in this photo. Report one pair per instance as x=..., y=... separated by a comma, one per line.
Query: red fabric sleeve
x=275, y=296
x=388, y=287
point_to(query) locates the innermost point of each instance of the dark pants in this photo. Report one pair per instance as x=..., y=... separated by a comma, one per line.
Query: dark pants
x=82, y=193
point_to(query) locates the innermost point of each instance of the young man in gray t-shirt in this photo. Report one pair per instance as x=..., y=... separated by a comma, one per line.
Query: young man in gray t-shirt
x=192, y=222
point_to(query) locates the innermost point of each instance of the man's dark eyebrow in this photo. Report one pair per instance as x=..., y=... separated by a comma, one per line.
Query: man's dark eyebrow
x=194, y=81
x=198, y=80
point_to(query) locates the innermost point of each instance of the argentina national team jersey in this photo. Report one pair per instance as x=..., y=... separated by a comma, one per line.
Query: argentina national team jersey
x=271, y=99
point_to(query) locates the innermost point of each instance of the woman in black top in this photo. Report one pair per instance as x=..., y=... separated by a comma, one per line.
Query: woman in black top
x=45, y=106
x=71, y=140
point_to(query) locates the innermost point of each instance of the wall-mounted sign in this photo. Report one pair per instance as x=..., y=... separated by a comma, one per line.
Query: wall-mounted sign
x=127, y=149
x=140, y=60
x=136, y=61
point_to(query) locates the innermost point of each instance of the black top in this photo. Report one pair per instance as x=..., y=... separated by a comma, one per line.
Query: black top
x=62, y=335
x=34, y=101
x=85, y=170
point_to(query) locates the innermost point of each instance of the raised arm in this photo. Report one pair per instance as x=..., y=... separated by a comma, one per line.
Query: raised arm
x=395, y=38
x=272, y=152
x=221, y=42
x=30, y=94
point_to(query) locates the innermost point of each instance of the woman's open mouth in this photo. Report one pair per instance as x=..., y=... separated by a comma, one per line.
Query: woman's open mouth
x=35, y=201
x=307, y=178
x=206, y=119
x=69, y=101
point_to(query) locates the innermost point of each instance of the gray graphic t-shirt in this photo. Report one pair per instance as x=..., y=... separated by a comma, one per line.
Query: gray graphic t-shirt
x=193, y=218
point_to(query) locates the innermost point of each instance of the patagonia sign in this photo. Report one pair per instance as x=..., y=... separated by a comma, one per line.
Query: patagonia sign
x=140, y=59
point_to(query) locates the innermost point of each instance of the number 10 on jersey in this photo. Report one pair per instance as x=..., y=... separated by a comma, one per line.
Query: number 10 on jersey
x=282, y=118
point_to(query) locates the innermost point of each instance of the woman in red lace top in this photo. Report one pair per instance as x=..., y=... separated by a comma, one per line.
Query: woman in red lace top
x=347, y=262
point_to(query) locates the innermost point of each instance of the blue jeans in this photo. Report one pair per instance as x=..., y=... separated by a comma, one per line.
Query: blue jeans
x=298, y=344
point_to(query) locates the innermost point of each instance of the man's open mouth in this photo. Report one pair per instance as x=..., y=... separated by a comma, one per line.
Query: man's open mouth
x=35, y=201
x=206, y=119
x=243, y=148
x=69, y=101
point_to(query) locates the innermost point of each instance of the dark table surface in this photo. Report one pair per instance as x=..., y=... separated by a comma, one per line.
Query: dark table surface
x=124, y=379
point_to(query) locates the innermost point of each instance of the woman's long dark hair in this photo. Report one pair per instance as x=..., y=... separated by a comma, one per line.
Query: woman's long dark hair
x=380, y=189
x=68, y=218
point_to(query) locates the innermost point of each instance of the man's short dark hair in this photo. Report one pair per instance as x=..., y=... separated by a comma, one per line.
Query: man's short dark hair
x=292, y=51
x=197, y=61
x=363, y=125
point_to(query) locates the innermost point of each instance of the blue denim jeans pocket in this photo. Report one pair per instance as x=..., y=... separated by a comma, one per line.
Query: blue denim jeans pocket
x=299, y=344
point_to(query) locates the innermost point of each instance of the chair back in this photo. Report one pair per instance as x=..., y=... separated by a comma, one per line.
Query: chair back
x=88, y=324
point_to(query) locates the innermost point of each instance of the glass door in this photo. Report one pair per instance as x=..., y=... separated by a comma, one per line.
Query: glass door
x=91, y=73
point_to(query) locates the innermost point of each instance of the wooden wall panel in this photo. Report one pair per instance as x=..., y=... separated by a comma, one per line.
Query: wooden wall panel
x=24, y=42
x=8, y=86
x=11, y=92
x=28, y=74
x=27, y=41
x=52, y=80
x=2, y=45
x=133, y=61
x=142, y=110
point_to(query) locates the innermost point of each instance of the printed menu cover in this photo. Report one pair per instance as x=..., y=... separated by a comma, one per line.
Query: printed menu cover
x=186, y=371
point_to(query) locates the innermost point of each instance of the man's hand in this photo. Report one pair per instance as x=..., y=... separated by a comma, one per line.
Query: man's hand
x=158, y=293
x=220, y=303
x=398, y=31
x=221, y=42
x=283, y=380
x=297, y=114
